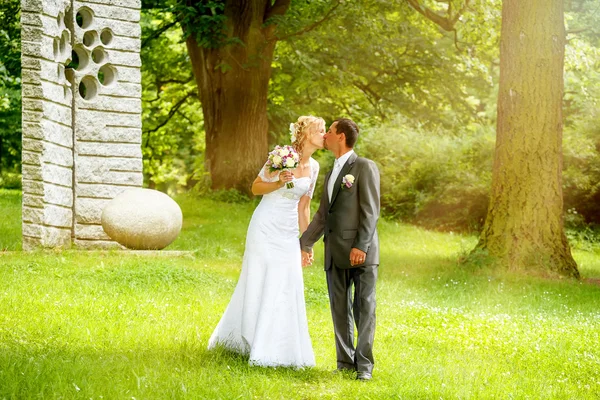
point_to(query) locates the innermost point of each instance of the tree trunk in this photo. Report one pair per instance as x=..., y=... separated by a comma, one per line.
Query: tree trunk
x=233, y=83
x=524, y=225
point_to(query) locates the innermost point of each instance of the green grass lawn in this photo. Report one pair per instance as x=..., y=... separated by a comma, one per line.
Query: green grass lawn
x=10, y=220
x=117, y=326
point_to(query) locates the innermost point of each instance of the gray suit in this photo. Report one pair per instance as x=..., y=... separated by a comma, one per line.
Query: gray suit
x=350, y=220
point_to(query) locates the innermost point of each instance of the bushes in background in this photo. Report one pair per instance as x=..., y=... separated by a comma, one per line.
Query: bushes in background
x=434, y=179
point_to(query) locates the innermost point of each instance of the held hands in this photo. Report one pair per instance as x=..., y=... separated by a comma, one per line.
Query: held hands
x=307, y=258
x=285, y=176
x=357, y=256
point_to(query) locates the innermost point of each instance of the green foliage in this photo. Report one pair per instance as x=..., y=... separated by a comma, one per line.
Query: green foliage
x=10, y=180
x=205, y=20
x=435, y=179
x=10, y=37
x=10, y=89
x=442, y=332
x=173, y=136
x=581, y=143
x=583, y=237
x=373, y=60
x=379, y=62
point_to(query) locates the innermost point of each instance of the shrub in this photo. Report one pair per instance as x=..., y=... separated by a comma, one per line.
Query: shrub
x=434, y=179
x=10, y=180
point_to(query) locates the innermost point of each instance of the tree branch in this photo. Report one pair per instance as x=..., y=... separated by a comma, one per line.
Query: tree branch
x=172, y=112
x=280, y=7
x=314, y=25
x=372, y=97
x=167, y=81
x=575, y=31
x=456, y=40
x=446, y=23
x=185, y=116
x=159, y=84
x=158, y=32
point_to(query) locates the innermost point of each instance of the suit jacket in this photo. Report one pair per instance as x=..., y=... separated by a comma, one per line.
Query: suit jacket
x=350, y=219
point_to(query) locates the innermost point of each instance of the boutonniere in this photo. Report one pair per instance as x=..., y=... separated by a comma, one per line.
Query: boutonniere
x=348, y=181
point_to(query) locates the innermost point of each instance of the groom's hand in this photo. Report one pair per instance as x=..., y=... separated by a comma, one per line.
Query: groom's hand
x=307, y=258
x=357, y=256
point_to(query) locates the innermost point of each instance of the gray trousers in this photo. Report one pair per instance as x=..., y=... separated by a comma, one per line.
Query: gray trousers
x=347, y=309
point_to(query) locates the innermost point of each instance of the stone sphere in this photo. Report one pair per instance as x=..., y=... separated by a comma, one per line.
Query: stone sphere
x=142, y=219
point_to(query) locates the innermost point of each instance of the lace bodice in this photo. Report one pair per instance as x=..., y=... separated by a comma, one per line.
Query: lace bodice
x=302, y=186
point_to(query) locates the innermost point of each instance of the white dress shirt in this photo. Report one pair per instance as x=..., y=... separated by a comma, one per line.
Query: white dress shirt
x=337, y=167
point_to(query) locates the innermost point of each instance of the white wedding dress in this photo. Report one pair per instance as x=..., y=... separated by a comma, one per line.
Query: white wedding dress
x=266, y=316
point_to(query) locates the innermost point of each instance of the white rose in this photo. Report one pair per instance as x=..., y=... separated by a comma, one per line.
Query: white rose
x=276, y=161
x=290, y=162
x=283, y=152
x=350, y=178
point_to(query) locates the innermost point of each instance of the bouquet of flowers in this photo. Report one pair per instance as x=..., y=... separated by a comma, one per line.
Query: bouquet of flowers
x=282, y=158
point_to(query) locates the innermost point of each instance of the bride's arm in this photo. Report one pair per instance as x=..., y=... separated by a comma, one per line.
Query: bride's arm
x=303, y=213
x=260, y=187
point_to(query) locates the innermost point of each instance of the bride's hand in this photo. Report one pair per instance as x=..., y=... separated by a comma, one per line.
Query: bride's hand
x=285, y=177
x=307, y=259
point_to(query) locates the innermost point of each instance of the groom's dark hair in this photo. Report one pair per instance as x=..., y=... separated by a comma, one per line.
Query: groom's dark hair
x=349, y=128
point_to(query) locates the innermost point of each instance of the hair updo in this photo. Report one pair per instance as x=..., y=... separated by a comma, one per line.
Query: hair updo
x=301, y=131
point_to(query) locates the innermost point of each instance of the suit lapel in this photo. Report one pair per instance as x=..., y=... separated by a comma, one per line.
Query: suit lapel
x=338, y=182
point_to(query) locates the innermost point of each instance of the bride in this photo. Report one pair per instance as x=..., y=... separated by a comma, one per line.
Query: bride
x=266, y=316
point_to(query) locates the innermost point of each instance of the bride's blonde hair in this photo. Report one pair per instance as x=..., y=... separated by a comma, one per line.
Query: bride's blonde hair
x=302, y=129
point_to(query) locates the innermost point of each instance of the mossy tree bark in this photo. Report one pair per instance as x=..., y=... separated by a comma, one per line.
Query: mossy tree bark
x=524, y=225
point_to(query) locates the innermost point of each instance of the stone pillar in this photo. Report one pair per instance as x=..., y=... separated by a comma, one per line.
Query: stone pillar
x=108, y=107
x=81, y=116
x=47, y=125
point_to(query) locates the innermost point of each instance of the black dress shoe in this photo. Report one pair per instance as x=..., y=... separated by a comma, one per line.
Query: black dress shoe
x=363, y=376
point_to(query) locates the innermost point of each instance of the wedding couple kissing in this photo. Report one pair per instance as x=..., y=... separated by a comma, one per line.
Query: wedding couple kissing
x=266, y=316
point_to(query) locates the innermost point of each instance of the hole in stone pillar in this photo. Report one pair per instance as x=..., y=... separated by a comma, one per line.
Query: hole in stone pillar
x=65, y=40
x=74, y=63
x=60, y=72
x=89, y=38
x=60, y=20
x=56, y=48
x=82, y=89
x=80, y=59
x=88, y=88
x=106, y=37
x=107, y=75
x=98, y=55
x=68, y=19
x=84, y=17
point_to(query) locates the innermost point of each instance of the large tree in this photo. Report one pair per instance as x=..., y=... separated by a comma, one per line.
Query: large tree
x=524, y=226
x=370, y=61
x=231, y=45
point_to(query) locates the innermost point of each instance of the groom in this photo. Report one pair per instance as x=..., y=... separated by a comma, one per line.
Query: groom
x=347, y=217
